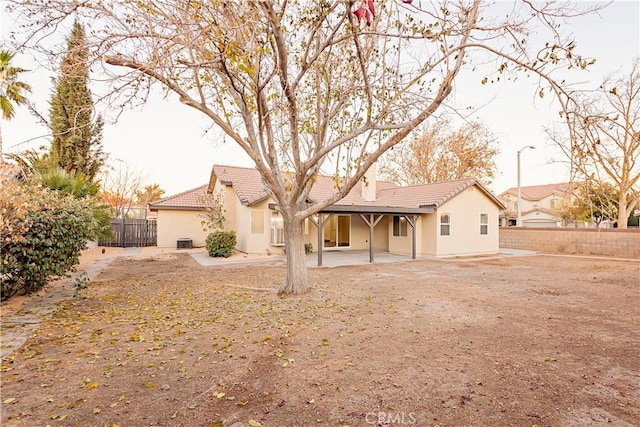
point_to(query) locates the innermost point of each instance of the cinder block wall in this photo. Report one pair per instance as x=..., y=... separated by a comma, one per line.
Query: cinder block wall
x=583, y=241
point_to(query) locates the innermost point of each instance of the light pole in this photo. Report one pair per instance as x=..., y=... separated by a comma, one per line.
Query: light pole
x=519, y=208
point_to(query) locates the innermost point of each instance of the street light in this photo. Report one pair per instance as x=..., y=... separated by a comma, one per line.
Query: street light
x=519, y=219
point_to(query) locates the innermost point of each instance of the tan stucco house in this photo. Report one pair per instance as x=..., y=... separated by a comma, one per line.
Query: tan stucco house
x=442, y=219
x=541, y=205
x=180, y=217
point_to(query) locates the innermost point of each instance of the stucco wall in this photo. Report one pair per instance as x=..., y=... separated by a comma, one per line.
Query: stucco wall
x=253, y=243
x=584, y=241
x=429, y=223
x=402, y=244
x=465, y=238
x=177, y=224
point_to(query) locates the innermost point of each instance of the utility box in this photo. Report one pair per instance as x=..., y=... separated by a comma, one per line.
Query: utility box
x=185, y=244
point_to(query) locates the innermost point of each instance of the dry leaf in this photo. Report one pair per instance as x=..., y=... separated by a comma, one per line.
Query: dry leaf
x=91, y=385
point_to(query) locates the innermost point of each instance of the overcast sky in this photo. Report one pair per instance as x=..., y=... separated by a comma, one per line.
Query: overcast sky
x=174, y=146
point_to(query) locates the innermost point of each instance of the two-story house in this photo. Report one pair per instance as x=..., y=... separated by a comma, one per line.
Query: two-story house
x=542, y=205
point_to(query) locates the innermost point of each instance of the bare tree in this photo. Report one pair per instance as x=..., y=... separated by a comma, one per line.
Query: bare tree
x=119, y=188
x=443, y=154
x=304, y=86
x=603, y=142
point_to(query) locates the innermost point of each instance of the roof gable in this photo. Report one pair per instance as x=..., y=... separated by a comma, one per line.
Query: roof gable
x=247, y=182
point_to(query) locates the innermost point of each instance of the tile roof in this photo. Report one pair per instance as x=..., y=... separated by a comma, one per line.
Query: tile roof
x=539, y=192
x=194, y=199
x=250, y=189
x=247, y=182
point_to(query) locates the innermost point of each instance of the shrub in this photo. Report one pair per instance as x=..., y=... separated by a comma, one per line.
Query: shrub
x=221, y=243
x=42, y=234
x=308, y=248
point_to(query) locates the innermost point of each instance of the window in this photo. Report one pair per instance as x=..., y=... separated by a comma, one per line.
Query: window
x=484, y=224
x=399, y=226
x=277, y=229
x=257, y=222
x=445, y=224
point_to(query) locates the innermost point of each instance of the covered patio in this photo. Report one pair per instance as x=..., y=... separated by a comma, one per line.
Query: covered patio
x=371, y=215
x=336, y=258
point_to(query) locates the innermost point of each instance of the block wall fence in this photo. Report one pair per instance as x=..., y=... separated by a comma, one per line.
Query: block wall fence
x=579, y=241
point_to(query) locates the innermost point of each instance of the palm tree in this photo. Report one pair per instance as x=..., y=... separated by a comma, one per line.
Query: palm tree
x=11, y=89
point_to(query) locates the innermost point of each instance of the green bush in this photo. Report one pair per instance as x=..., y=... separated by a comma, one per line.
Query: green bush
x=221, y=243
x=42, y=234
x=308, y=248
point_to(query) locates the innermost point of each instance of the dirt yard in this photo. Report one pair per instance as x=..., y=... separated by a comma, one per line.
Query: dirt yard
x=162, y=341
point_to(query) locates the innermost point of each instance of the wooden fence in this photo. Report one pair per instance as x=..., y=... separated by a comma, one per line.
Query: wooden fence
x=129, y=233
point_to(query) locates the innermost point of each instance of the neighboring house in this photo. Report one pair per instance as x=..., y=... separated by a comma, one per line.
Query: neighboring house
x=541, y=205
x=180, y=217
x=442, y=219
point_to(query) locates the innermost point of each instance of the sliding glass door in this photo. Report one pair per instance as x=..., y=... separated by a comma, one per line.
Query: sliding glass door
x=337, y=232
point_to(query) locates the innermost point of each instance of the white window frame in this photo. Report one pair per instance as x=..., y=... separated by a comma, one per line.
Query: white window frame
x=277, y=229
x=484, y=225
x=445, y=225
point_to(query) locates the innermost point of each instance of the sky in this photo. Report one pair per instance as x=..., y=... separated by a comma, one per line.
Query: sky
x=174, y=146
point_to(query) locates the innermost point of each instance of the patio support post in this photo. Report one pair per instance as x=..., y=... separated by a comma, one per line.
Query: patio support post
x=412, y=222
x=372, y=221
x=319, y=223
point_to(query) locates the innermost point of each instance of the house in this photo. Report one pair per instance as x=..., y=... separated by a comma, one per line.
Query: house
x=180, y=217
x=442, y=219
x=541, y=204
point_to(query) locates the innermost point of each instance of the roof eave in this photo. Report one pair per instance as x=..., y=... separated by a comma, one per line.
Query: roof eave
x=378, y=209
x=155, y=208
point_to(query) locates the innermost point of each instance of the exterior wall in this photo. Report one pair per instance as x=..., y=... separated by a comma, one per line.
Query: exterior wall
x=381, y=234
x=230, y=201
x=402, y=244
x=253, y=243
x=585, y=241
x=465, y=238
x=430, y=231
x=177, y=224
x=360, y=233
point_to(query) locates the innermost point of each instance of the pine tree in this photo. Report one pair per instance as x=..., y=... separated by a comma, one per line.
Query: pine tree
x=77, y=137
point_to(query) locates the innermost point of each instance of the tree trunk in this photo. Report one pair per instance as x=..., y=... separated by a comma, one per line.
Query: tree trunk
x=296, y=281
x=623, y=212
